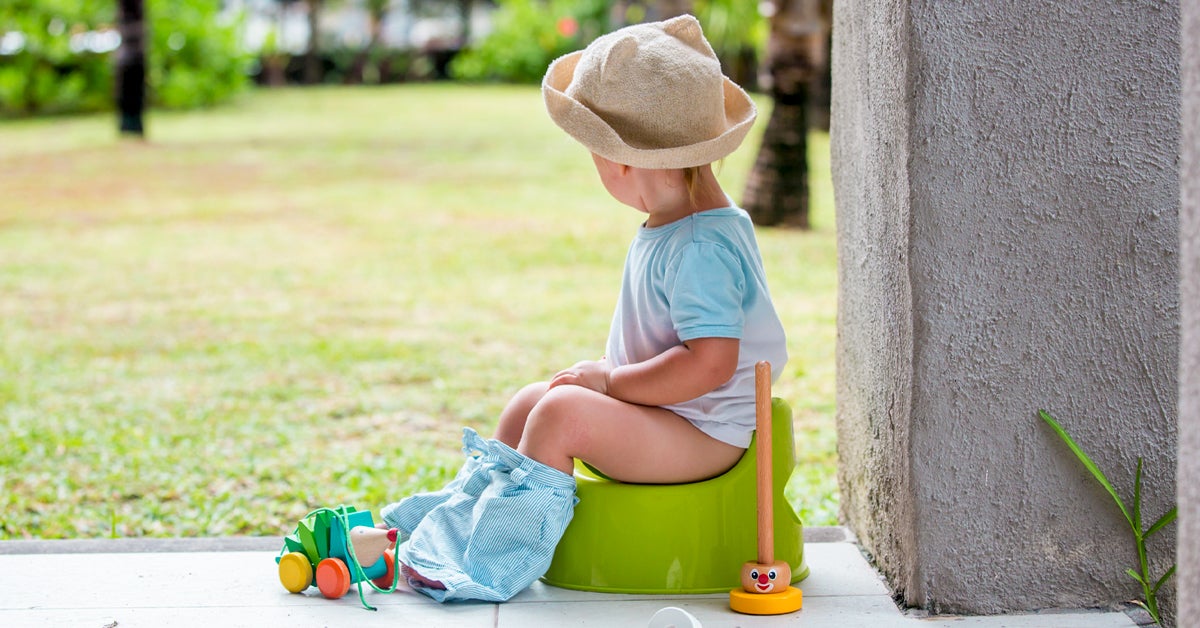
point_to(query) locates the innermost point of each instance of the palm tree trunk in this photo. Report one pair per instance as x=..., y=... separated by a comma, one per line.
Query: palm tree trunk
x=777, y=189
x=667, y=9
x=131, y=66
x=464, y=16
x=376, y=13
x=312, y=57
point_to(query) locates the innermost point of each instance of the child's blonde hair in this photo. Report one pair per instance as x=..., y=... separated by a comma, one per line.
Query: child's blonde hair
x=691, y=179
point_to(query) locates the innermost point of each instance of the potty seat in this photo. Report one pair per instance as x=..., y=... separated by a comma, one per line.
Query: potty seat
x=677, y=538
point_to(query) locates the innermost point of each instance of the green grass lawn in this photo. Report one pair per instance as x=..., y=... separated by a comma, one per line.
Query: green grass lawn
x=300, y=299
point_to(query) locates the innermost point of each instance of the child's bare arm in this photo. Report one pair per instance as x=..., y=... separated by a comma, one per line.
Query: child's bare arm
x=679, y=374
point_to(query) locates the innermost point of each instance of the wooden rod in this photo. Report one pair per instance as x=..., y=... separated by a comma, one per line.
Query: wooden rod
x=762, y=424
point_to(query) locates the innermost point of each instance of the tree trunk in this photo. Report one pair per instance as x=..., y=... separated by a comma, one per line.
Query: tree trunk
x=312, y=57
x=131, y=67
x=376, y=14
x=777, y=189
x=744, y=69
x=464, y=16
x=667, y=9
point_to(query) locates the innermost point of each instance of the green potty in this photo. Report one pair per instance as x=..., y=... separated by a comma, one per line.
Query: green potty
x=677, y=538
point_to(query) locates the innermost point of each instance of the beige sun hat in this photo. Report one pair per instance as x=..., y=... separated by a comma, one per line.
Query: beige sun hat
x=649, y=96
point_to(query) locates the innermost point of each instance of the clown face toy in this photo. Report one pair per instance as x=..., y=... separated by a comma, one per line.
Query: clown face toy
x=766, y=578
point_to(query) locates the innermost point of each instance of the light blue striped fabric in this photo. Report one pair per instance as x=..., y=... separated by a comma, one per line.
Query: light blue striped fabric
x=492, y=531
x=405, y=514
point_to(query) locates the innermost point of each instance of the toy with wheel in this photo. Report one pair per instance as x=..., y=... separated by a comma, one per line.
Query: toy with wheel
x=335, y=548
x=766, y=583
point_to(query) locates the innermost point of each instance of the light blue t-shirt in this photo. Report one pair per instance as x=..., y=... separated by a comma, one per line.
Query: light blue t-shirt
x=700, y=277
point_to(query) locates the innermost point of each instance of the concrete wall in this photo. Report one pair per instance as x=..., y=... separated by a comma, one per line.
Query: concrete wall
x=1007, y=193
x=1189, y=367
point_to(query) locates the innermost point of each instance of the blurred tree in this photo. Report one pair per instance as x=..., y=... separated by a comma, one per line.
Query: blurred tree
x=528, y=34
x=61, y=56
x=40, y=72
x=274, y=54
x=131, y=67
x=737, y=31
x=362, y=70
x=196, y=54
x=463, y=8
x=443, y=53
x=777, y=189
x=312, y=55
x=667, y=9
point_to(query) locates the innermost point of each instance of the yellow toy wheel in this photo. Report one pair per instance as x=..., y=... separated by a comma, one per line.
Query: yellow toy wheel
x=333, y=578
x=295, y=572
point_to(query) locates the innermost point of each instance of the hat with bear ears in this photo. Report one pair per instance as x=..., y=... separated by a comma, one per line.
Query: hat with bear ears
x=649, y=96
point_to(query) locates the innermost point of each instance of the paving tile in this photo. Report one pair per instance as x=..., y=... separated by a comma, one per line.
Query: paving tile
x=839, y=569
x=432, y=616
x=712, y=611
x=1032, y=620
x=158, y=580
x=241, y=588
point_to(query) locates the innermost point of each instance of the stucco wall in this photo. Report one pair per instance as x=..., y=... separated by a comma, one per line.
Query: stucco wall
x=1189, y=367
x=870, y=155
x=1007, y=191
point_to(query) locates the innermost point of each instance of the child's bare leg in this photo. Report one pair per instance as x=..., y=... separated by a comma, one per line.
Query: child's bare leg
x=512, y=419
x=417, y=579
x=508, y=431
x=627, y=442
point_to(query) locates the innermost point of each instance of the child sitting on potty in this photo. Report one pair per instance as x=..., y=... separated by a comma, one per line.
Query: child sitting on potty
x=673, y=400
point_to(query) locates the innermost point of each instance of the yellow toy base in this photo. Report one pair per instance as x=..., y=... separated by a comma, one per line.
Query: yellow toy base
x=787, y=601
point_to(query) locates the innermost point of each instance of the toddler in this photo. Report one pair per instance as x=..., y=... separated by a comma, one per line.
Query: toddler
x=673, y=399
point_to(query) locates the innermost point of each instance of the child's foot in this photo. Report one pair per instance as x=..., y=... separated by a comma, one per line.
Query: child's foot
x=417, y=580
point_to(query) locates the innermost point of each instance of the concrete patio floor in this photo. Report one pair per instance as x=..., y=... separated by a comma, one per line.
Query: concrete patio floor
x=233, y=582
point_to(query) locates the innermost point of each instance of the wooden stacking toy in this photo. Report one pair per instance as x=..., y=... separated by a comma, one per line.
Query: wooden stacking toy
x=766, y=583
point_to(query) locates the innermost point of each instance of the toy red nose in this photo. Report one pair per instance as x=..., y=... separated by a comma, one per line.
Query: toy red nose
x=391, y=535
x=762, y=578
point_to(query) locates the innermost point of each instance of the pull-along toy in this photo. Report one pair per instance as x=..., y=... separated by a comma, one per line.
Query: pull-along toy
x=766, y=583
x=331, y=546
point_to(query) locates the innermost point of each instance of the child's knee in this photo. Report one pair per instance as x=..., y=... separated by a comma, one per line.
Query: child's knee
x=512, y=422
x=531, y=394
x=562, y=401
x=556, y=415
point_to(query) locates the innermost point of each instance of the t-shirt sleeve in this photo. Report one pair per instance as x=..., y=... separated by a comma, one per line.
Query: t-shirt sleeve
x=706, y=295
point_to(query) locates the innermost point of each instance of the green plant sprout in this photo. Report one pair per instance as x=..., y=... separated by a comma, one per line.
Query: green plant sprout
x=1135, y=519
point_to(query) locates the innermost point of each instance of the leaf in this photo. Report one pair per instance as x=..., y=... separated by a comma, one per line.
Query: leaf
x=1087, y=462
x=1133, y=574
x=1167, y=517
x=1162, y=580
x=1137, y=499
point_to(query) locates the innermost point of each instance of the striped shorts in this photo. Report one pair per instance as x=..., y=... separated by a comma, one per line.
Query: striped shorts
x=492, y=531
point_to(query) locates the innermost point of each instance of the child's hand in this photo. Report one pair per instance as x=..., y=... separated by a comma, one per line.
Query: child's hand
x=591, y=374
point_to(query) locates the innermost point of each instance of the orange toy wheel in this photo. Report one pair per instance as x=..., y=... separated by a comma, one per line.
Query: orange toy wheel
x=388, y=579
x=333, y=578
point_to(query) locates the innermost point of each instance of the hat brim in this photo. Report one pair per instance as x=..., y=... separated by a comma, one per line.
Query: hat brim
x=599, y=137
